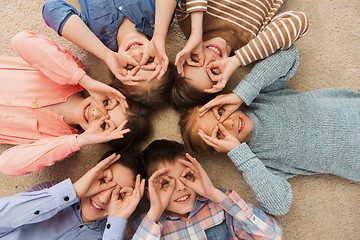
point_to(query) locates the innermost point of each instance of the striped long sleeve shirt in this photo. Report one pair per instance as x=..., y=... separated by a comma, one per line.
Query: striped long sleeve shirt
x=250, y=27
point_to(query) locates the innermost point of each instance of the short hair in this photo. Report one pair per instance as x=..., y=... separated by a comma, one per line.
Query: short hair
x=160, y=151
x=183, y=95
x=154, y=96
x=138, y=123
x=189, y=134
x=130, y=158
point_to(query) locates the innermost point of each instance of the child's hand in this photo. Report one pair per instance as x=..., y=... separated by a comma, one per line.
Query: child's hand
x=192, y=53
x=101, y=92
x=195, y=177
x=226, y=67
x=160, y=189
x=124, y=200
x=222, y=106
x=118, y=63
x=90, y=183
x=156, y=50
x=225, y=143
x=96, y=134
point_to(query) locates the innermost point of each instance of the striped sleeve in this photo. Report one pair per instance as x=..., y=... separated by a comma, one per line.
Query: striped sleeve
x=196, y=6
x=280, y=33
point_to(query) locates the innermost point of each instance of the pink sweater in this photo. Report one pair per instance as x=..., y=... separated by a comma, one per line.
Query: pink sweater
x=48, y=74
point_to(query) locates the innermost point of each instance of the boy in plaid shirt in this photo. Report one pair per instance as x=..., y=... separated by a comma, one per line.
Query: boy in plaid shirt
x=184, y=204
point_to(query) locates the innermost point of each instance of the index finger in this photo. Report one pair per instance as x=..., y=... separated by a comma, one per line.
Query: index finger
x=105, y=163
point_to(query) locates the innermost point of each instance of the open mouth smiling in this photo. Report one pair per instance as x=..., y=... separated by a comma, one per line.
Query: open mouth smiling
x=183, y=199
x=133, y=45
x=215, y=48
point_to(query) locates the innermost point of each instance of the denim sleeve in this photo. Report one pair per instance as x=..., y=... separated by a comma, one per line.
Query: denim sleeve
x=57, y=12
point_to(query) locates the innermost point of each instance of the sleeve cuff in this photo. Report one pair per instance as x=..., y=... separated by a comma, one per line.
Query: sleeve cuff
x=115, y=228
x=240, y=154
x=246, y=91
x=64, y=194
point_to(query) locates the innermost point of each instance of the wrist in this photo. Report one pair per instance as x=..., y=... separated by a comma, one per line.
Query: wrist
x=217, y=196
x=153, y=215
x=81, y=140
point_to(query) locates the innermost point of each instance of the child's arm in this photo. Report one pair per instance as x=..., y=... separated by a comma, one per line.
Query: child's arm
x=35, y=206
x=59, y=65
x=160, y=189
x=27, y=158
x=192, y=52
x=164, y=10
x=280, y=33
x=273, y=192
x=249, y=221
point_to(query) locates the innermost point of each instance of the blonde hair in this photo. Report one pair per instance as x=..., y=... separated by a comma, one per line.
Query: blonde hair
x=188, y=127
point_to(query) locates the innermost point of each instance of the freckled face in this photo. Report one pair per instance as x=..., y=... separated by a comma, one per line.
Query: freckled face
x=238, y=124
x=95, y=207
x=182, y=200
x=214, y=49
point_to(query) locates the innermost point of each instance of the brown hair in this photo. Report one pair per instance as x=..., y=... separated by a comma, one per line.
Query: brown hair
x=189, y=134
x=130, y=158
x=160, y=151
x=153, y=96
x=138, y=123
x=184, y=96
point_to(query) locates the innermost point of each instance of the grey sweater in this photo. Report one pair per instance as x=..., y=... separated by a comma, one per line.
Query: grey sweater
x=294, y=132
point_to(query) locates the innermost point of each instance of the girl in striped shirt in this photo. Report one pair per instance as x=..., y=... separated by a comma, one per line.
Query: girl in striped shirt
x=224, y=35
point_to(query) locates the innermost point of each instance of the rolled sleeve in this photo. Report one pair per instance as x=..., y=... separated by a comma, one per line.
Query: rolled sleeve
x=56, y=13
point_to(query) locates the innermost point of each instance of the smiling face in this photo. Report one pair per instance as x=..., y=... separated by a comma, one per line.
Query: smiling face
x=135, y=44
x=182, y=200
x=238, y=124
x=214, y=49
x=95, y=207
x=87, y=112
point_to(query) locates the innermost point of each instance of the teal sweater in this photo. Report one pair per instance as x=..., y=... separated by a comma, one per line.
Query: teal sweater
x=294, y=132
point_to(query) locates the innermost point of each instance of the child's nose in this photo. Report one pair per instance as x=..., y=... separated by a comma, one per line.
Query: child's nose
x=179, y=185
x=104, y=196
x=96, y=113
x=228, y=123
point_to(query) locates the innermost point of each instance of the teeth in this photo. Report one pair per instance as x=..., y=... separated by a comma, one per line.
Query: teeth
x=95, y=205
x=134, y=45
x=182, y=199
x=239, y=124
x=215, y=49
x=86, y=113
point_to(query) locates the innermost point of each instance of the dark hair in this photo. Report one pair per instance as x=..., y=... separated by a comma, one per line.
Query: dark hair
x=189, y=134
x=138, y=123
x=160, y=151
x=130, y=158
x=153, y=96
x=184, y=96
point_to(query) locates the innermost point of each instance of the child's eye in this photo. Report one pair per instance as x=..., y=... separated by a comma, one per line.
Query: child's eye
x=103, y=126
x=213, y=72
x=194, y=60
x=218, y=134
x=130, y=67
x=150, y=60
x=220, y=111
x=188, y=176
x=106, y=102
x=165, y=183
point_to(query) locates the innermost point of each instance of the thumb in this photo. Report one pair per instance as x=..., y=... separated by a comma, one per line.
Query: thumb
x=106, y=186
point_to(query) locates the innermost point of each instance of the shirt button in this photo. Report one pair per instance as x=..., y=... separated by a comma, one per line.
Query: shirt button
x=120, y=8
x=35, y=105
x=189, y=221
x=108, y=226
x=253, y=218
x=77, y=207
x=66, y=198
x=37, y=212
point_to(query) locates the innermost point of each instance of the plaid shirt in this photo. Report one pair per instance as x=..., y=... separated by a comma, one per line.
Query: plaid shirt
x=233, y=218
